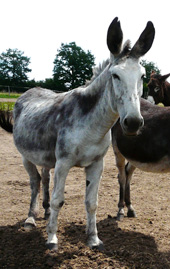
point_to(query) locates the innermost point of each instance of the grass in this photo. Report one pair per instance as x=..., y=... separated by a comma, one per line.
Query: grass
x=7, y=105
x=6, y=95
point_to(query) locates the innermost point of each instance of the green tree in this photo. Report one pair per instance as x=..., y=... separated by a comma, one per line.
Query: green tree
x=48, y=83
x=72, y=67
x=149, y=67
x=14, y=67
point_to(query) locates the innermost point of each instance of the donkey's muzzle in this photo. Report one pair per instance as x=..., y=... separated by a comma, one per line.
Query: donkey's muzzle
x=131, y=125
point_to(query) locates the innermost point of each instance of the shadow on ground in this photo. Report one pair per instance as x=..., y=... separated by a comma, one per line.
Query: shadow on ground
x=123, y=249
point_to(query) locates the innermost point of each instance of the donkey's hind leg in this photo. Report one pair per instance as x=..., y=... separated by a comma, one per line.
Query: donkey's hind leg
x=129, y=169
x=35, y=179
x=45, y=175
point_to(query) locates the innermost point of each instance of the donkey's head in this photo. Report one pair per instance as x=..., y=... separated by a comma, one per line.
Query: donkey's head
x=157, y=86
x=127, y=75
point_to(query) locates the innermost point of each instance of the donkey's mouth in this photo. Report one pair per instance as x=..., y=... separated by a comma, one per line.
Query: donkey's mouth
x=130, y=134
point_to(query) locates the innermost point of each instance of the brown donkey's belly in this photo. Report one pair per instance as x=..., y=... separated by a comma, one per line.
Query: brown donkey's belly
x=161, y=166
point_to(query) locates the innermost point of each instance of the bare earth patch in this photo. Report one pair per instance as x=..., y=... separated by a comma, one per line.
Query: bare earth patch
x=8, y=99
x=143, y=242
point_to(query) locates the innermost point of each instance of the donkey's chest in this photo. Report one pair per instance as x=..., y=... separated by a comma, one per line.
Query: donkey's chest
x=90, y=155
x=82, y=147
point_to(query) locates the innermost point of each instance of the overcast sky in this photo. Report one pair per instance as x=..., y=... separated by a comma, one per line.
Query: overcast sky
x=38, y=27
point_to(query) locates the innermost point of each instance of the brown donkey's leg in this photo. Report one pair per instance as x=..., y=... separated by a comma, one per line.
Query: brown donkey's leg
x=45, y=175
x=129, y=172
x=120, y=163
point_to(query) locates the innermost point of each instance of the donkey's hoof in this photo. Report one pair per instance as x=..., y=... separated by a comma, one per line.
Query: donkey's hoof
x=52, y=246
x=120, y=217
x=99, y=247
x=131, y=214
x=95, y=243
x=28, y=227
x=29, y=224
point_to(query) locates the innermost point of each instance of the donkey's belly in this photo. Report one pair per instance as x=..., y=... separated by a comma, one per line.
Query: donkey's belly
x=41, y=158
x=36, y=147
x=161, y=166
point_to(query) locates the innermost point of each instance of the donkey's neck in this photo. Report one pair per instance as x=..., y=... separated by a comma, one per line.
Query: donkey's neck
x=99, y=82
x=101, y=117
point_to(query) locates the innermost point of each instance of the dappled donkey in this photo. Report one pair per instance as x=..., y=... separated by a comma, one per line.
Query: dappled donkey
x=73, y=129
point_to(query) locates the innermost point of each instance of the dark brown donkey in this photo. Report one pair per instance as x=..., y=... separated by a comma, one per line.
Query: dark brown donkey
x=148, y=151
x=159, y=88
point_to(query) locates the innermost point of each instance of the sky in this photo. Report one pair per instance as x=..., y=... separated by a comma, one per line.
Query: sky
x=38, y=27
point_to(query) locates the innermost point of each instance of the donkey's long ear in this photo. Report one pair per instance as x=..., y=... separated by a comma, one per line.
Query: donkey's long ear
x=164, y=77
x=114, y=37
x=144, y=42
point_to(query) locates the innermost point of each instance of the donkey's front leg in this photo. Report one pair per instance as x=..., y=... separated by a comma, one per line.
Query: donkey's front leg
x=93, y=175
x=35, y=190
x=57, y=201
x=129, y=169
x=120, y=163
x=45, y=175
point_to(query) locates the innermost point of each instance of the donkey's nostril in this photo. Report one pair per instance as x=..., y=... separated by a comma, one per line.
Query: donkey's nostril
x=132, y=124
x=126, y=122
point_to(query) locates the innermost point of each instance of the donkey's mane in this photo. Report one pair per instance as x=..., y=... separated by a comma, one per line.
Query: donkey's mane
x=99, y=69
x=124, y=54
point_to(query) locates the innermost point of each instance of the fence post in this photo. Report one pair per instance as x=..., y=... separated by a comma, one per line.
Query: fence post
x=9, y=90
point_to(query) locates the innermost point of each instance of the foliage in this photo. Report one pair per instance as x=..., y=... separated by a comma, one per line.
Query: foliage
x=13, y=67
x=7, y=95
x=48, y=83
x=9, y=106
x=72, y=67
x=149, y=67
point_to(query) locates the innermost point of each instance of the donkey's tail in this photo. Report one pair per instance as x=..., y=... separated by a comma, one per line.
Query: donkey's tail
x=6, y=120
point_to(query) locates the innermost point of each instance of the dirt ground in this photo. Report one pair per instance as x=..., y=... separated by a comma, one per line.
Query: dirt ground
x=7, y=100
x=143, y=242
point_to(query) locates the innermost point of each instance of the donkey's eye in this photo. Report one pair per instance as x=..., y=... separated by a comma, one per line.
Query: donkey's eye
x=143, y=76
x=116, y=76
